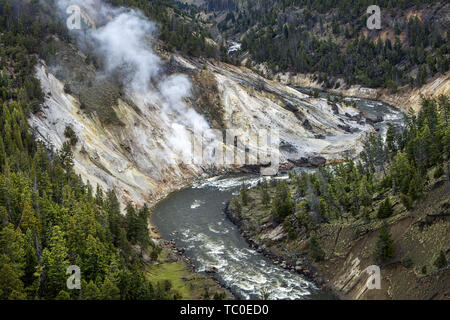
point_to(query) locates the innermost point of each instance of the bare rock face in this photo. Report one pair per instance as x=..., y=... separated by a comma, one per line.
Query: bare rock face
x=276, y=234
x=372, y=118
x=136, y=157
x=317, y=161
x=335, y=108
x=307, y=125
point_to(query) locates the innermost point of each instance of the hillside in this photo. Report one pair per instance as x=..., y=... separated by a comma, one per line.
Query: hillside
x=50, y=218
x=390, y=209
x=328, y=45
x=332, y=40
x=418, y=236
x=100, y=123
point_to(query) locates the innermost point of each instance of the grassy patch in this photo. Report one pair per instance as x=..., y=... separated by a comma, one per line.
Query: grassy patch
x=174, y=272
x=190, y=285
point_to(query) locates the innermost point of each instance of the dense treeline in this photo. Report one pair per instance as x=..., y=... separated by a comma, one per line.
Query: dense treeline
x=326, y=38
x=396, y=168
x=178, y=27
x=49, y=218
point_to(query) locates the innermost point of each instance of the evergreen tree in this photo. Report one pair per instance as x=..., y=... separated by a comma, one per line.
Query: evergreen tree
x=282, y=204
x=109, y=290
x=55, y=262
x=385, y=209
x=244, y=195
x=265, y=196
x=90, y=291
x=384, y=249
x=63, y=295
x=316, y=251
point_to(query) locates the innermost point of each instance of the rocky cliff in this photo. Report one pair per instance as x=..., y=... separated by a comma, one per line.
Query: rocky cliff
x=126, y=139
x=403, y=98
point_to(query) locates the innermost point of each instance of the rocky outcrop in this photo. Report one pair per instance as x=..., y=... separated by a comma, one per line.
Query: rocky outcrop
x=404, y=98
x=128, y=143
x=418, y=237
x=372, y=118
x=309, y=162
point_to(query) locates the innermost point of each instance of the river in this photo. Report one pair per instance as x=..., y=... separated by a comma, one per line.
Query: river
x=194, y=218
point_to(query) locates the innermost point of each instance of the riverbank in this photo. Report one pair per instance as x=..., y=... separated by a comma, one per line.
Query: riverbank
x=194, y=221
x=285, y=261
x=302, y=268
x=175, y=266
x=405, y=97
x=348, y=246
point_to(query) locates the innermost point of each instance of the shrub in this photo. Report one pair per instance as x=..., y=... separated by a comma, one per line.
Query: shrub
x=407, y=262
x=67, y=89
x=315, y=250
x=289, y=229
x=155, y=253
x=219, y=296
x=441, y=260
x=70, y=134
x=424, y=270
x=406, y=200
x=366, y=213
x=439, y=172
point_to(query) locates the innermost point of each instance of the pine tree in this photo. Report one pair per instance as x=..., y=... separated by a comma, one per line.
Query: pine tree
x=29, y=219
x=55, y=261
x=244, y=195
x=315, y=250
x=364, y=195
x=384, y=248
x=282, y=204
x=12, y=246
x=132, y=221
x=385, y=209
x=90, y=291
x=391, y=140
x=265, y=197
x=11, y=287
x=109, y=290
x=66, y=156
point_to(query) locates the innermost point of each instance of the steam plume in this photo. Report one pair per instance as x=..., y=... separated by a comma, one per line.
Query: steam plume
x=123, y=40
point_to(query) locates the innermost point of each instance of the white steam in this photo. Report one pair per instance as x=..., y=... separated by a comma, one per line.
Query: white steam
x=123, y=43
x=123, y=40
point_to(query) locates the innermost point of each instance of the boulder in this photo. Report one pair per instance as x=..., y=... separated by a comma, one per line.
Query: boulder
x=372, y=118
x=302, y=162
x=307, y=125
x=212, y=270
x=276, y=234
x=335, y=108
x=317, y=161
x=345, y=127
